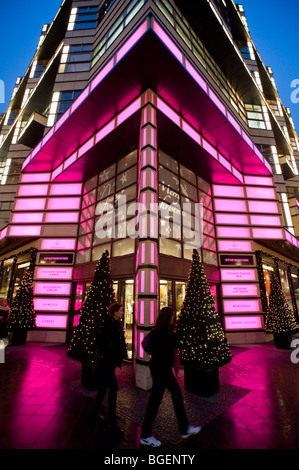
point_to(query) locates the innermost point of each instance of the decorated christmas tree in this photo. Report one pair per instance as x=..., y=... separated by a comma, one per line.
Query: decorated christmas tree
x=203, y=342
x=23, y=316
x=100, y=296
x=279, y=316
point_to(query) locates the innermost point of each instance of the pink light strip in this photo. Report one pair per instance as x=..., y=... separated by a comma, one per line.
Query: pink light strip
x=67, y=188
x=199, y=80
x=239, y=306
x=209, y=148
x=54, y=273
x=52, y=288
x=142, y=253
x=232, y=205
x=102, y=74
x=152, y=312
x=234, y=245
x=224, y=162
x=129, y=111
x=48, y=136
x=238, y=232
x=35, y=177
x=233, y=122
x=141, y=312
x=33, y=190
x=238, y=274
x=168, y=42
x=85, y=147
x=265, y=220
x=105, y=131
x=83, y=95
x=263, y=207
x=3, y=233
x=258, y=180
x=153, y=287
x=27, y=217
x=260, y=193
x=30, y=204
x=142, y=281
x=247, y=139
x=249, y=322
x=172, y=115
x=234, y=219
x=57, y=171
x=63, y=118
x=228, y=191
x=141, y=351
x=217, y=101
x=240, y=290
x=70, y=160
x=60, y=217
x=191, y=132
x=62, y=203
x=131, y=41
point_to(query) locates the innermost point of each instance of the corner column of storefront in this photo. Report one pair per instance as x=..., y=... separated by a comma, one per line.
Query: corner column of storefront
x=147, y=273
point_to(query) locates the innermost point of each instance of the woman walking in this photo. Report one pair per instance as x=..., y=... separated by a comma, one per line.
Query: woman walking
x=164, y=344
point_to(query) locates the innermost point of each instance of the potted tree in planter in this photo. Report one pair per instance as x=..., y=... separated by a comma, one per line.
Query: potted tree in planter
x=280, y=319
x=83, y=343
x=23, y=317
x=204, y=346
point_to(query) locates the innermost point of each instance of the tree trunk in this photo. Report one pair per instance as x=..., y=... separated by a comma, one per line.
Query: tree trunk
x=282, y=340
x=201, y=382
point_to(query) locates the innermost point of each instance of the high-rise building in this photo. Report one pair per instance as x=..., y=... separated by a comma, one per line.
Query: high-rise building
x=128, y=107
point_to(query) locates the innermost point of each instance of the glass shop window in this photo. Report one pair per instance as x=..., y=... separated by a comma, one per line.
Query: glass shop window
x=284, y=279
x=166, y=299
x=267, y=269
x=6, y=277
x=20, y=273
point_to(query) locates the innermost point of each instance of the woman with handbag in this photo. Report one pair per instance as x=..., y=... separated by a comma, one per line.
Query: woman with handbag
x=163, y=347
x=4, y=318
x=111, y=350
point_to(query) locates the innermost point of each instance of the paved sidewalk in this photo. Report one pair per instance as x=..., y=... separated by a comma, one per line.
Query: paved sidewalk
x=44, y=406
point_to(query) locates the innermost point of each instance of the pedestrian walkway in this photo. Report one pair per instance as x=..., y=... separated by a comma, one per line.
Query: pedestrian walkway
x=44, y=406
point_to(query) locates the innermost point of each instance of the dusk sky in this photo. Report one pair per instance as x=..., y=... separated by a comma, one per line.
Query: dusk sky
x=273, y=25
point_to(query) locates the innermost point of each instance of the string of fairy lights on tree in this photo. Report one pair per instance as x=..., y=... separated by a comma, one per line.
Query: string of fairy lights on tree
x=101, y=294
x=203, y=342
x=279, y=315
x=23, y=316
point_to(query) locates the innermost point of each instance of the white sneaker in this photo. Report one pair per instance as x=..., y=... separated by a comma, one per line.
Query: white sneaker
x=191, y=431
x=150, y=441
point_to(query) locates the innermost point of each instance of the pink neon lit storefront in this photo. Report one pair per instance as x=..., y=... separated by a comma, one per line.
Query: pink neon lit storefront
x=127, y=135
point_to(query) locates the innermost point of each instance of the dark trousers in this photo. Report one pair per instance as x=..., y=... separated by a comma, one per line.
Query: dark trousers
x=107, y=380
x=161, y=380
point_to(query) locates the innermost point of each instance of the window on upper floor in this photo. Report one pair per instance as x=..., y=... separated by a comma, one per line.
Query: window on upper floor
x=255, y=117
x=65, y=101
x=83, y=18
x=76, y=58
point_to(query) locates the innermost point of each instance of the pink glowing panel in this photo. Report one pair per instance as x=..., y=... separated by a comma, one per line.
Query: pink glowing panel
x=233, y=122
x=234, y=219
x=144, y=179
x=172, y=115
x=196, y=76
x=102, y=74
x=230, y=191
x=268, y=166
x=234, y=245
x=56, y=217
x=142, y=281
x=85, y=147
x=69, y=188
x=105, y=131
x=25, y=230
x=57, y=172
x=273, y=233
x=141, y=350
x=238, y=274
x=152, y=136
x=27, y=217
x=239, y=232
x=131, y=41
x=209, y=148
x=153, y=179
x=153, y=253
x=76, y=317
x=52, y=288
x=142, y=253
x=261, y=193
x=237, y=174
x=3, y=233
x=258, y=153
x=263, y=207
x=247, y=139
x=30, y=204
x=51, y=321
x=217, y=101
x=258, y=180
x=224, y=162
x=48, y=135
x=26, y=161
x=70, y=160
x=243, y=323
x=62, y=119
x=33, y=190
x=231, y=205
x=191, y=132
x=51, y=305
x=152, y=312
x=80, y=99
x=35, y=177
x=64, y=203
x=240, y=290
x=129, y=111
x=168, y=42
x=141, y=312
x=153, y=282
x=265, y=220
x=239, y=306
x=53, y=273
x=58, y=244
x=153, y=227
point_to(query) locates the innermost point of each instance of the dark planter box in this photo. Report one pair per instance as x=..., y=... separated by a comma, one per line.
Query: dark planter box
x=19, y=338
x=87, y=377
x=201, y=382
x=282, y=340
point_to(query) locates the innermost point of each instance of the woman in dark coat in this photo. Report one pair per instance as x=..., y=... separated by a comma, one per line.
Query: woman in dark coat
x=4, y=317
x=111, y=350
x=164, y=345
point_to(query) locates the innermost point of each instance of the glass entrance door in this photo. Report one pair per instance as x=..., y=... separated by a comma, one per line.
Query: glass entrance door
x=127, y=299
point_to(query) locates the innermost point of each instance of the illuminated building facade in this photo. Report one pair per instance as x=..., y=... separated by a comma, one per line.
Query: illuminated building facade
x=129, y=105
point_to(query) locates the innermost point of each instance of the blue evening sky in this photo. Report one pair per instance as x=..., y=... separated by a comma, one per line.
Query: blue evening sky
x=273, y=25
